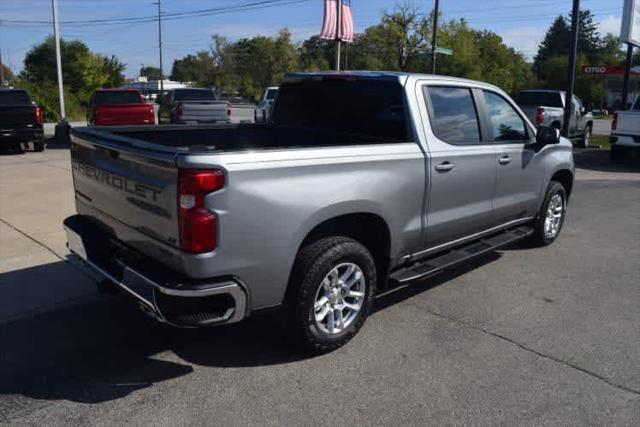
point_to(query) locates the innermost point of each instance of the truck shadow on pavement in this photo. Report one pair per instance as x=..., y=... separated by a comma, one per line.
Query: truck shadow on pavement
x=99, y=349
x=599, y=160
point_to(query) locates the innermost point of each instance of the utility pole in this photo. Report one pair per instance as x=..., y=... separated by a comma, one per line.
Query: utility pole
x=1, y=71
x=338, y=31
x=56, y=36
x=160, y=45
x=434, y=37
x=571, y=69
x=627, y=73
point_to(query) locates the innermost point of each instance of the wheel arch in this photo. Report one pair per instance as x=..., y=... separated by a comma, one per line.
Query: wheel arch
x=370, y=229
x=564, y=177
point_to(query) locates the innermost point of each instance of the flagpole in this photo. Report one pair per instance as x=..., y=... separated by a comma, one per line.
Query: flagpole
x=338, y=31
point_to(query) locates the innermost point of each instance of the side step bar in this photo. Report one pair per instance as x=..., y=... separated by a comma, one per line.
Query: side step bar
x=430, y=266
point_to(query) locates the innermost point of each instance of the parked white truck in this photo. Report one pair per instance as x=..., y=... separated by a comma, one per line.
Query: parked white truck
x=625, y=133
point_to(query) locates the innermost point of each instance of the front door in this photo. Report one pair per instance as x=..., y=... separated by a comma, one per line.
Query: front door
x=462, y=169
x=520, y=169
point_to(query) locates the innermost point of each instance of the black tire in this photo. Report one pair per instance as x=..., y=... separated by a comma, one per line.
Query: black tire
x=539, y=236
x=586, y=137
x=38, y=146
x=313, y=263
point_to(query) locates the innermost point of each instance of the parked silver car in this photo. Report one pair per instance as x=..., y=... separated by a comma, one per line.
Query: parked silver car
x=546, y=108
x=262, y=113
x=383, y=178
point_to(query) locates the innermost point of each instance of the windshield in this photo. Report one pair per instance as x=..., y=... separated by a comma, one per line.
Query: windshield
x=370, y=108
x=14, y=97
x=117, y=97
x=271, y=94
x=534, y=99
x=194, y=95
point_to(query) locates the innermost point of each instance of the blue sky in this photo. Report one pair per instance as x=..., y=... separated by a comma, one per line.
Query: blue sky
x=521, y=23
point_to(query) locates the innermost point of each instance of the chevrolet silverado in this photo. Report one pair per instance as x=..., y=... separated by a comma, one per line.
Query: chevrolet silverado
x=384, y=178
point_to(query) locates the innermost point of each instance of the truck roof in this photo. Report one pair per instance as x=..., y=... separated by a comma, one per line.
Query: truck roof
x=401, y=76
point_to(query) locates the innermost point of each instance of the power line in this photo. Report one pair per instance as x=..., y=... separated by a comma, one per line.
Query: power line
x=245, y=6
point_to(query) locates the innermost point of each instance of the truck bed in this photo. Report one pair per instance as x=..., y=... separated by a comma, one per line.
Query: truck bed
x=224, y=137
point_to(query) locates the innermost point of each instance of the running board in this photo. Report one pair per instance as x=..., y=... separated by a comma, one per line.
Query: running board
x=430, y=266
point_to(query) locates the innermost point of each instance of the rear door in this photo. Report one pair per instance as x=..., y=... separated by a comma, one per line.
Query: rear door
x=463, y=168
x=519, y=166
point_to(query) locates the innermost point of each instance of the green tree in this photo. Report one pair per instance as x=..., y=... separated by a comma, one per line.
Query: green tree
x=198, y=68
x=151, y=73
x=557, y=40
x=83, y=72
x=393, y=44
x=7, y=74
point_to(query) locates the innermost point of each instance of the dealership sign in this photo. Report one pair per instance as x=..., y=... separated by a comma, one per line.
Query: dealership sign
x=607, y=70
x=630, y=32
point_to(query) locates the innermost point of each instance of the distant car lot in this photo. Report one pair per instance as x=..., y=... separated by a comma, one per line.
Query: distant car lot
x=543, y=336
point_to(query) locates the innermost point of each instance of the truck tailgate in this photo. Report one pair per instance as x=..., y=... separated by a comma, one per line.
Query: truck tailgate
x=206, y=111
x=628, y=122
x=126, y=114
x=131, y=187
x=12, y=116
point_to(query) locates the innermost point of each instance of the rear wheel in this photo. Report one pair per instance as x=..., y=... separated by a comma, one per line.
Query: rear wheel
x=586, y=137
x=550, y=219
x=333, y=285
x=38, y=146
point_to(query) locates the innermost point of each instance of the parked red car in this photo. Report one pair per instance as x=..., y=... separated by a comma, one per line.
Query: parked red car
x=112, y=107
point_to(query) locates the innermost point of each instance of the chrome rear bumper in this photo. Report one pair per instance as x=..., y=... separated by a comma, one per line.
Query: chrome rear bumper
x=174, y=301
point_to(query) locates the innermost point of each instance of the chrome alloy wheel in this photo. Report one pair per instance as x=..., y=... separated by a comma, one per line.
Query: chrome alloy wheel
x=553, y=219
x=339, y=298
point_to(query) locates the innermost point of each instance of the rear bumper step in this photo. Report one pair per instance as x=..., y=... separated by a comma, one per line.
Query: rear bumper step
x=439, y=262
x=164, y=295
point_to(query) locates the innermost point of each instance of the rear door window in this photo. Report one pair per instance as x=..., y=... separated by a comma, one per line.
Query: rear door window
x=454, y=118
x=14, y=97
x=506, y=123
x=194, y=95
x=535, y=99
x=117, y=97
x=368, y=111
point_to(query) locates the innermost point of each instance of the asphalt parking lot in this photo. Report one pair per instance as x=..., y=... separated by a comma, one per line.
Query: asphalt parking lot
x=526, y=336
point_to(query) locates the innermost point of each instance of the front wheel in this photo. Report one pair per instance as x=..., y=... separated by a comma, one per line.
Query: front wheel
x=333, y=284
x=550, y=219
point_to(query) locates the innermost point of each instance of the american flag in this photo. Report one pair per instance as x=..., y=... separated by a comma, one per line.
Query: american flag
x=329, y=24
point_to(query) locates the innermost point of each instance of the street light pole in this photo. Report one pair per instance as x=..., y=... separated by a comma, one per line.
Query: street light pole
x=160, y=46
x=627, y=73
x=571, y=69
x=56, y=36
x=338, y=28
x=434, y=37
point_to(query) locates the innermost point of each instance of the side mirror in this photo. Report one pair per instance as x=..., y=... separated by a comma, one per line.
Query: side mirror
x=547, y=135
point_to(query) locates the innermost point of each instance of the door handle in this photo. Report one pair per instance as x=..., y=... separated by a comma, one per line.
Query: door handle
x=505, y=160
x=445, y=166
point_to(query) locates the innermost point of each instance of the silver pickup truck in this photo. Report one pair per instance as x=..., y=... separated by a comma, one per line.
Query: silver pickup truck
x=546, y=108
x=193, y=106
x=384, y=178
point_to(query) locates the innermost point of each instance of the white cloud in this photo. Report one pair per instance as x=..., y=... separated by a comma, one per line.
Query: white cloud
x=611, y=24
x=524, y=39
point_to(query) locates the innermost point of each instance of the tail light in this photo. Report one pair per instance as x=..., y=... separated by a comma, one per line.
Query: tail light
x=38, y=116
x=198, y=226
x=539, y=116
x=228, y=109
x=179, y=111
x=614, y=122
